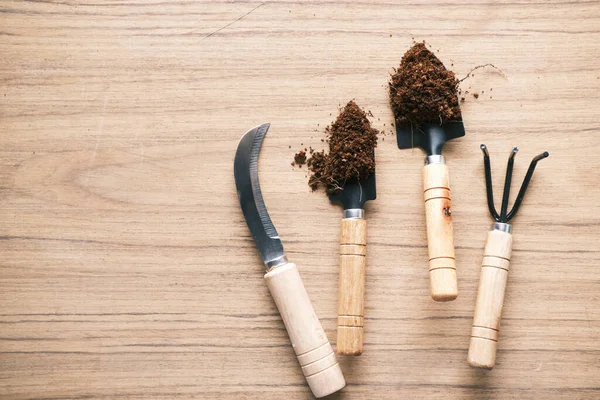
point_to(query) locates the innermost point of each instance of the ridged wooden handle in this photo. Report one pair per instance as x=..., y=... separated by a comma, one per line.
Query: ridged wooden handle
x=440, y=242
x=315, y=354
x=351, y=294
x=490, y=297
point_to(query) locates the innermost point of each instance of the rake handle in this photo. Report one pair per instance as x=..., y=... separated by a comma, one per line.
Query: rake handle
x=312, y=348
x=351, y=293
x=440, y=241
x=490, y=299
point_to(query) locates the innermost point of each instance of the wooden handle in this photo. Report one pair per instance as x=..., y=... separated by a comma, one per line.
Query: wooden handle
x=351, y=294
x=490, y=297
x=442, y=264
x=315, y=354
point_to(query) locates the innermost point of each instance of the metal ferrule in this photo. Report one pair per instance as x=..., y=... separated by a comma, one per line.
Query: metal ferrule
x=276, y=262
x=437, y=159
x=354, y=213
x=502, y=227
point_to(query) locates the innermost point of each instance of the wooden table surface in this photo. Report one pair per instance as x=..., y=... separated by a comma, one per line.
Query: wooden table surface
x=128, y=272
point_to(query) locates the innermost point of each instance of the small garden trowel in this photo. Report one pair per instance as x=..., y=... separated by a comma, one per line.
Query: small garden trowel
x=436, y=188
x=353, y=250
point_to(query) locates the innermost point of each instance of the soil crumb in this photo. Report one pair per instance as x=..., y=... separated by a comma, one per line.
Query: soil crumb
x=352, y=141
x=300, y=158
x=422, y=90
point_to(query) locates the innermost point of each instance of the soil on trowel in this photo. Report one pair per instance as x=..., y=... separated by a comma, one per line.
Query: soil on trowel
x=352, y=141
x=422, y=90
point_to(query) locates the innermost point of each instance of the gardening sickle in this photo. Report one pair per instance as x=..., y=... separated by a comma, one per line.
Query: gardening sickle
x=312, y=348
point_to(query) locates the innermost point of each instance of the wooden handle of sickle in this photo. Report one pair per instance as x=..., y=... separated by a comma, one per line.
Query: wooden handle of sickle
x=351, y=294
x=315, y=354
x=442, y=263
x=490, y=297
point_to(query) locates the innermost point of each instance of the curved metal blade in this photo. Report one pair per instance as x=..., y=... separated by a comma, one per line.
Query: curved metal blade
x=245, y=171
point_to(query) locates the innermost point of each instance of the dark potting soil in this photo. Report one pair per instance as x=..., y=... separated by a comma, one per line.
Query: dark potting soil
x=351, y=155
x=423, y=90
x=300, y=158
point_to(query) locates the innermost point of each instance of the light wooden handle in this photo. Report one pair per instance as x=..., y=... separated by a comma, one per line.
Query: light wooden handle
x=315, y=354
x=490, y=297
x=351, y=294
x=442, y=263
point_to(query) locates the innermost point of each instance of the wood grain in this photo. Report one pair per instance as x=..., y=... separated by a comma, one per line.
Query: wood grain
x=309, y=341
x=127, y=270
x=351, y=286
x=490, y=300
x=443, y=283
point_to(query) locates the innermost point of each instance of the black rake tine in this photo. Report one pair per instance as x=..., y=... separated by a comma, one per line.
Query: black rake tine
x=488, y=182
x=523, y=189
x=507, y=182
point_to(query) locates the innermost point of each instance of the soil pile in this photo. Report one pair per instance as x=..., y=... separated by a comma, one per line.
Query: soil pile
x=352, y=143
x=423, y=90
